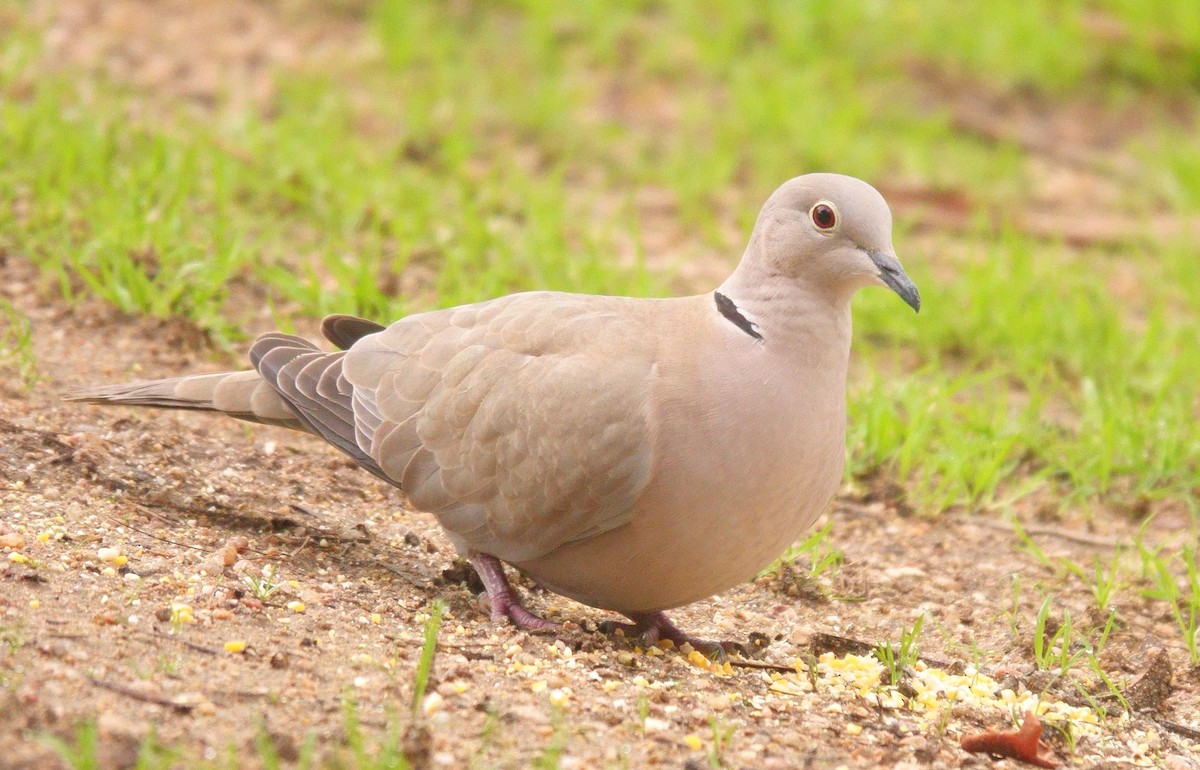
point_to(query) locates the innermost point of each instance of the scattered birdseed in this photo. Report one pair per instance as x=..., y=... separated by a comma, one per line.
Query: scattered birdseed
x=863, y=677
x=236, y=646
x=181, y=613
x=432, y=703
x=699, y=660
x=112, y=556
x=296, y=606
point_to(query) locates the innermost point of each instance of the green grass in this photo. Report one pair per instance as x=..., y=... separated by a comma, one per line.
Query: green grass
x=17, y=356
x=897, y=658
x=425, y=663
x=461, y=179
x=1030, y=364
x=723, y=736
x=264, y=586
x=356, y=748
x=817, y=549
x=1173, y=577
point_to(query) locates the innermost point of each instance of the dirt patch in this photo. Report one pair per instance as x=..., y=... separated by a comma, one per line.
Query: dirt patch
x=230, y=52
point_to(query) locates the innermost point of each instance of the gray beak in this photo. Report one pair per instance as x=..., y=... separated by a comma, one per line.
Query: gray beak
x=891, y=273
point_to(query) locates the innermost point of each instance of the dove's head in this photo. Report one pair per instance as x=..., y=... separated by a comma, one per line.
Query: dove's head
x=832, y=230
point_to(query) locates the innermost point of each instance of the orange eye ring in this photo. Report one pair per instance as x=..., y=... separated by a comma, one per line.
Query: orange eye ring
x=823, y=216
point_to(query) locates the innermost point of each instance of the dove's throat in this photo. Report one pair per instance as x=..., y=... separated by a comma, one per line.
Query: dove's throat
x=787, y=315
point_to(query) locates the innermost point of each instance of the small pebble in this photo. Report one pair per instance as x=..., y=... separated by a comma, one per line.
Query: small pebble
x=12, y=540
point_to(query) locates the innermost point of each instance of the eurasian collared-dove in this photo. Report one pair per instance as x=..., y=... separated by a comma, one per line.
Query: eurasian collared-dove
x=632, y=454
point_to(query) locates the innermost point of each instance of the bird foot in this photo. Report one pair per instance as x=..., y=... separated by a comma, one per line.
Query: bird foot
x=653, y=627
x=504, y=599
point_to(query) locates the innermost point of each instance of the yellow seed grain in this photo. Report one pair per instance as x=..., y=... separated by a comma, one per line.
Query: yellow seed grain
x=432, y=703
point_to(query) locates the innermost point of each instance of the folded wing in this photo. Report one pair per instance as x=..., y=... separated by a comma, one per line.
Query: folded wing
x=521, y=423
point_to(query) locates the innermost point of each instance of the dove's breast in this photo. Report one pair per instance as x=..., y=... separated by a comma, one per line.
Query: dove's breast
x=749, y=446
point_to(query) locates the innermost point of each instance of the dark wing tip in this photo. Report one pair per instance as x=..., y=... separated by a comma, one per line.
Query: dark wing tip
x=345, y=330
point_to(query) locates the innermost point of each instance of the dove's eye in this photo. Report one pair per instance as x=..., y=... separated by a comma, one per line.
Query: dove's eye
x=823, y=216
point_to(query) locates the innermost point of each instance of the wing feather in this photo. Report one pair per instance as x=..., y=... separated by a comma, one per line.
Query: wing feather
x=513, y=421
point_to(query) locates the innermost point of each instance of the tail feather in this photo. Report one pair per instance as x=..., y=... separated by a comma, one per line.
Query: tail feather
x=244, y=395
x=282, y=395
x=314, y=386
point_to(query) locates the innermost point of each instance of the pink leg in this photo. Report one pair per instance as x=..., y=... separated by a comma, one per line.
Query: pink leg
x=504, y=599
x=653, y=627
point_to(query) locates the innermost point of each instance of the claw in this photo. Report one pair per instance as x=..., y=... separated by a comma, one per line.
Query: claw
x=506, y=604
x=653, y=627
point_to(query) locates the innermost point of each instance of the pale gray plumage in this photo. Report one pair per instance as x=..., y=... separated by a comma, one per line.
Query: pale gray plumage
x=634, y=454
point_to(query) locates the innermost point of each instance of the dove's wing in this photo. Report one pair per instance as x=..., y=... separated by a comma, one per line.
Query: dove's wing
x=521, y=423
